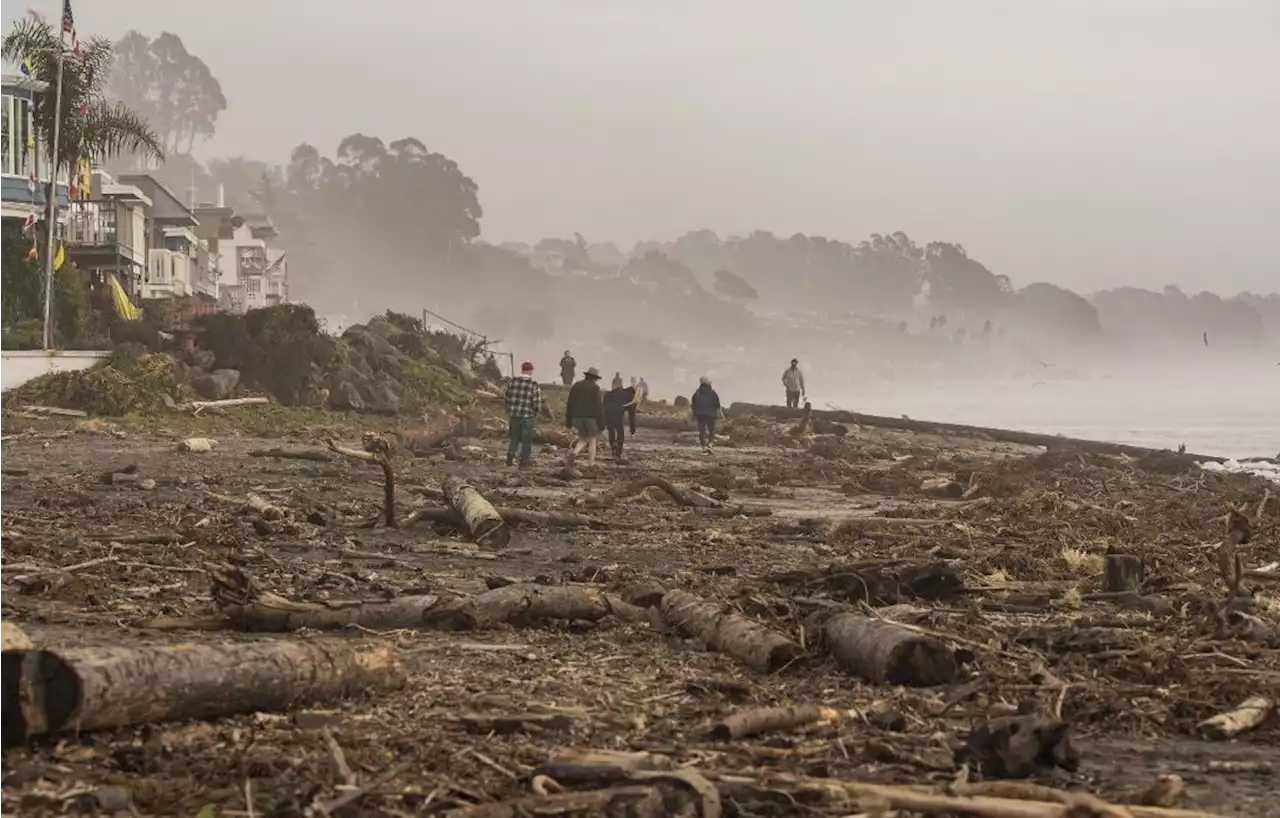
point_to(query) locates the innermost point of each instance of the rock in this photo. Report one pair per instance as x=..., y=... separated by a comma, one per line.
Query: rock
x=382, y=397
x=345, y=395
x=681, y=402
x=14, y=638
x=202, y=359
x=216, y=385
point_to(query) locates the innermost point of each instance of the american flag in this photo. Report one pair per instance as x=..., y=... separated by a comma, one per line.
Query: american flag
x=69, y=25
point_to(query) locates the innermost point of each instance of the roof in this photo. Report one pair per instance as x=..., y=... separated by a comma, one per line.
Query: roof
x=261, y=226
x=218, y=222
x=123, y=192
x=22, y=82
x=166, y=207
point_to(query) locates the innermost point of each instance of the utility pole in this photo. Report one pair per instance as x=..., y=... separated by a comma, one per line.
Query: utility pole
x=52, y=226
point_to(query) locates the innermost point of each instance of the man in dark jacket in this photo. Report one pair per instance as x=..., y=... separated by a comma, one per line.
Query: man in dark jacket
x=617, y=402
x=568, y=366
x=584, y=412
x=705, y=404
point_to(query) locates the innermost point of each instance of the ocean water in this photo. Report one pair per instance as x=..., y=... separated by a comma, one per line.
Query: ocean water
x=1212, y=412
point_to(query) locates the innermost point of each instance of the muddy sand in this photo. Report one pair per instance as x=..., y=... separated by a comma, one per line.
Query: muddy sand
x=484, y=709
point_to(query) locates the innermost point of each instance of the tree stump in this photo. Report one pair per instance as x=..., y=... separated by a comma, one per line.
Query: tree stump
x=1124, y=572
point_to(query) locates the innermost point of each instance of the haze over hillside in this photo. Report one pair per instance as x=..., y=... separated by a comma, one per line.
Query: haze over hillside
x=1086, y=144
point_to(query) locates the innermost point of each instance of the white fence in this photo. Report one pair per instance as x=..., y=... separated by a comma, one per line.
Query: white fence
x=19, y=366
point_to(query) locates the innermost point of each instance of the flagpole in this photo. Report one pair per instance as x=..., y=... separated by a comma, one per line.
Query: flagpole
x=53, y=200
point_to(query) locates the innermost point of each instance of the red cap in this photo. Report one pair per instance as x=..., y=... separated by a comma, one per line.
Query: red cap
x=527, y=366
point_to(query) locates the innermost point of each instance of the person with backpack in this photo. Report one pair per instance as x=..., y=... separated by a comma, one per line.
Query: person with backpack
x=705, y=404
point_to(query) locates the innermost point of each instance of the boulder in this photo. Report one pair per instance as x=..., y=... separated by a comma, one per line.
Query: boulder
x=216, y=385
x=201, y=358
x=345, y=395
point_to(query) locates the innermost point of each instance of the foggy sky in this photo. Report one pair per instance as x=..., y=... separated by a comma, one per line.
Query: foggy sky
x=1090, y=143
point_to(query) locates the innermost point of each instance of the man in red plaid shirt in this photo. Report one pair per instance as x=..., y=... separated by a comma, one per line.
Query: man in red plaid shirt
x=524, y=403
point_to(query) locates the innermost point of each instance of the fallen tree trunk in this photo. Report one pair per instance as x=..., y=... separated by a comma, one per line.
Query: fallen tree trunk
x=885, y=653
x=94, y=688
x=683, y=497
x=758, y=720
x=961, y=430
x=556, y=436
x=483, y=522
x=832, y=792
x=668, y=423
x=248, y=608
x=749, y=642
x=514, y=517
x=1251, y=713
x=198, y=406
x=523, y=604
x=293, y=454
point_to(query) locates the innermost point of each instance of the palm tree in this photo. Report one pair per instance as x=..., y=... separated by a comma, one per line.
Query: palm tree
x=92, y=127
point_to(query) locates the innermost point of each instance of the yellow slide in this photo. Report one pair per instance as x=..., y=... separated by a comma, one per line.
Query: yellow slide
x=124, y=307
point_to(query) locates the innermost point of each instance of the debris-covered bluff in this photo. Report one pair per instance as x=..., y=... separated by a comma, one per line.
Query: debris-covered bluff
x=390, y=365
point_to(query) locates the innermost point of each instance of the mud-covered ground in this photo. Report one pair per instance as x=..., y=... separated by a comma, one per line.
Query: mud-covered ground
x=1028, y=541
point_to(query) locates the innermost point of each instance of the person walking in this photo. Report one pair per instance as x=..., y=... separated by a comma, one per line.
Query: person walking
x=617, y=404
x=568, y=368
x=523, y=398
x=617, y=381
x=705, y=404
x=584, y=412
x=793, y=382
x=640, y=395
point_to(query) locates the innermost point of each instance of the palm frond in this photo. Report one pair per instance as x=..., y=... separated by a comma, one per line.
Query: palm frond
x=113, y=129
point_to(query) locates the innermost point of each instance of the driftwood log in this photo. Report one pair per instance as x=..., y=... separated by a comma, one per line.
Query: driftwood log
x=1251, y=713
x=95, y=688
x=682, y=496
x=515, y=517
x=317, y=455
x=246, y=607
x=483, y=522
x=759, y=720
x=668, y=423
x=885, y=653
x=1123, y=572
x=749, y=642
x=961, y=430
x=851, y=796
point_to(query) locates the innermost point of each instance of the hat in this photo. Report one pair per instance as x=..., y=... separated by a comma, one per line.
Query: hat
x=527, y=366
x=704, y=380
x=593, y=373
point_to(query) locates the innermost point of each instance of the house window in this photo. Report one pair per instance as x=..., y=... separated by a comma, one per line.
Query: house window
x=7, y=164
x=253, y=285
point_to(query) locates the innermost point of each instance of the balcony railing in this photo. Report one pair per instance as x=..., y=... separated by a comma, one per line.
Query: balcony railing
x=92, y=229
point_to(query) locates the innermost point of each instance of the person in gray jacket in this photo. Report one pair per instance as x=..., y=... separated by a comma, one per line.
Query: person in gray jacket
x=705, y=404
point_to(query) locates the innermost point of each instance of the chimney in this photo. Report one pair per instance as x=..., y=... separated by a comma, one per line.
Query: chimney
x=222, y=197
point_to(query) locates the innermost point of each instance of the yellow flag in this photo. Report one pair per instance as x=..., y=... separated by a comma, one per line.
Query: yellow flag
x=86, y=178
x=59, y=258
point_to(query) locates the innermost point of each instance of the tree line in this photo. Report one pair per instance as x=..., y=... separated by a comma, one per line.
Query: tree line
x=379, y=222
